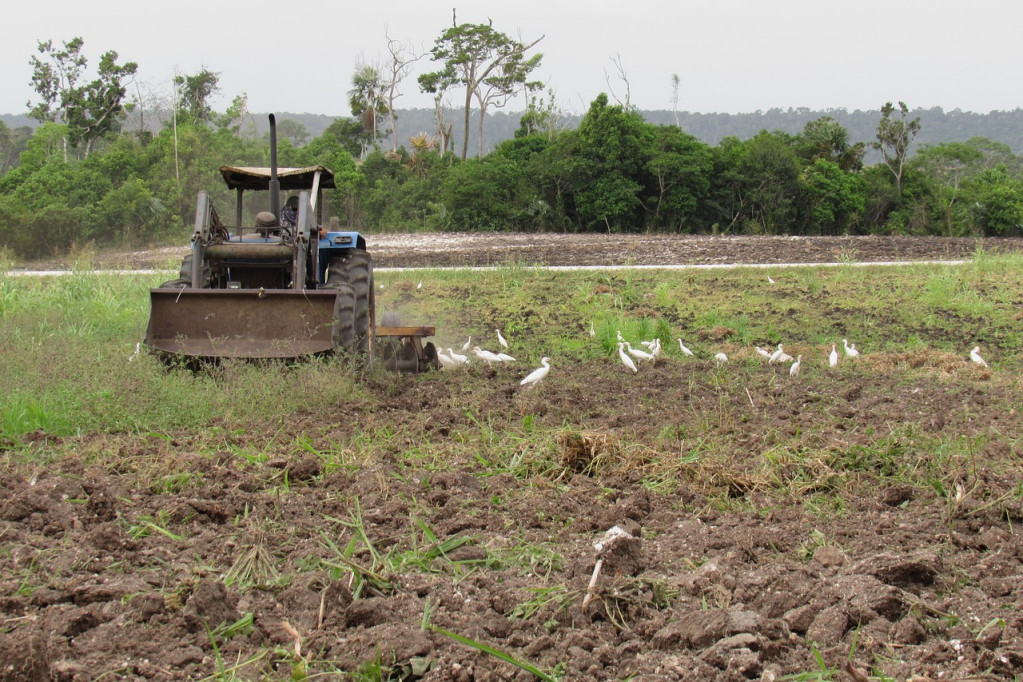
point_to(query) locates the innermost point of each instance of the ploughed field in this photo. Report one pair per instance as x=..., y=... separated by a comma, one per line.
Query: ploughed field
x=855, y=522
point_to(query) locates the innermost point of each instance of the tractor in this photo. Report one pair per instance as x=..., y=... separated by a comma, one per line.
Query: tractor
x=287, y=287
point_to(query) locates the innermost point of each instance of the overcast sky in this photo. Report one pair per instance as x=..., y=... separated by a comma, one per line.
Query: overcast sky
x=730, y=55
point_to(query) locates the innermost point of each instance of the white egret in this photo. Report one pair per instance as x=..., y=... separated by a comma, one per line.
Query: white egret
x=655, y=349
x=850, y=350
x=833, y=356
x=762, y=352
x=975, y=356
x=500, y=339
x=445, y=361
x=504, y=357
x=467, y=345
x=593, y=332
x=682, y=346
x=721, y=357
x=620, y=339
x=637, y=353
x=626, y=360
x=485, y=355
x=459, y=359
x=794, y=369
x=776, y=355
x=769, y=280
x=419, y=287
x=537, y=375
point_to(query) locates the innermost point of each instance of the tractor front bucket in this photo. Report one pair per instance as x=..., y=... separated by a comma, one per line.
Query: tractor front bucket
x=240, y=323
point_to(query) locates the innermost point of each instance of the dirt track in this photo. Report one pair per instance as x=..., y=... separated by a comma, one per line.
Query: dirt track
x=124, y=567
x=461, y=249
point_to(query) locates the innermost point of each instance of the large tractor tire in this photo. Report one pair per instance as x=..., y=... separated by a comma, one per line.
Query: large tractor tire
x=356, y=270
x=342, y=330
x=185, y=275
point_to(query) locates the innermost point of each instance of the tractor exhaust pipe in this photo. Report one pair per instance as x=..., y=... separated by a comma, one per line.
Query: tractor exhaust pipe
x=275, y=184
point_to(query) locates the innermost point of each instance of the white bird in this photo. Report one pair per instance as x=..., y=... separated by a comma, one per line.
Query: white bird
x=637, y=353
x=762, y=352
x=776, y=355
x=381, y=286
x=445, y=361
x=833, y=356
x=655, y=349
x=485, y=355
x=850, y=350
x=459, y=359
x=138, y=348
x=467, y=345
x=685, y=351
x=504, y=357
x=975, y=356
x=794, y=369
x=620, y=339
x=501, y=339
x=626, y=360
x=769, y=280
x=721, y=357
x=419, y=287
x=537, y=375
x=593, y=332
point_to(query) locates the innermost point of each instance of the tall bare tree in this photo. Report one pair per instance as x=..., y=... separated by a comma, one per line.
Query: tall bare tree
x=403, y=56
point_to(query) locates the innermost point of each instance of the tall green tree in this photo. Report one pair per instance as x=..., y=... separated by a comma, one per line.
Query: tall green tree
x=613, y=146
x=90, y=109
x=894, y=135
x=194, y=95
x=486, y=62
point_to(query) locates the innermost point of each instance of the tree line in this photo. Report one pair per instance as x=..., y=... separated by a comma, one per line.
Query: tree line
x=84, y=176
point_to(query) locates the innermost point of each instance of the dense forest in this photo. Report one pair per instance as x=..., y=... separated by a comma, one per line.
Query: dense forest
x=94, y=168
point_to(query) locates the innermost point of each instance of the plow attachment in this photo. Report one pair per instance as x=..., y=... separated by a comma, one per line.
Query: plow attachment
x=241, y=323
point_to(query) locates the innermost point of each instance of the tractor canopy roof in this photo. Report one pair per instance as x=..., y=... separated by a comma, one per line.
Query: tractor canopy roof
x=290, y=178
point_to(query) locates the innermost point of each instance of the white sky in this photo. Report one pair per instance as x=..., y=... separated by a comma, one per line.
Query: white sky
x=730, y=55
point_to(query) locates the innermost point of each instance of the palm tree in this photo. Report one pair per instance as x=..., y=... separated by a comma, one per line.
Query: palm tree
x=366, y=97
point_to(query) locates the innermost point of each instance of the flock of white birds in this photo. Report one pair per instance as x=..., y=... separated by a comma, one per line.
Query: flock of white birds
x=630, y=356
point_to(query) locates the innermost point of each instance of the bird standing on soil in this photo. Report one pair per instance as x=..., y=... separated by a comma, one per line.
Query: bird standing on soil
x=780, y=356
x=485, y=355
x=794, y=369
x=537, y=375
x=721, y=357
x=504, y=357
x=467, y=345
x=762, y=353
x=833, y=356
x=626, y=360
x=459, y=359
x=850, y=349
x=975, y=356
x=637, y=353
x=500, y=339
x=445, y=361
x=685, y=351
x=593, y=332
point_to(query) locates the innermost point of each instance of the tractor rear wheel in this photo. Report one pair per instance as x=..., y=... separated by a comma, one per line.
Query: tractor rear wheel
x=356, y=270
x=342, y=328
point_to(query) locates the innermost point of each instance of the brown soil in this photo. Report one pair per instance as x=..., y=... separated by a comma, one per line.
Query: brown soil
x=480, y=249
x=735, y=569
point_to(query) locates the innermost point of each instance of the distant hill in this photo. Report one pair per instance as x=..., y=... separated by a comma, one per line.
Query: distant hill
x=936, y=125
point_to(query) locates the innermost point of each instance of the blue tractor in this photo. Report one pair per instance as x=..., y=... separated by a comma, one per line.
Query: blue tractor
x=286, y=287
